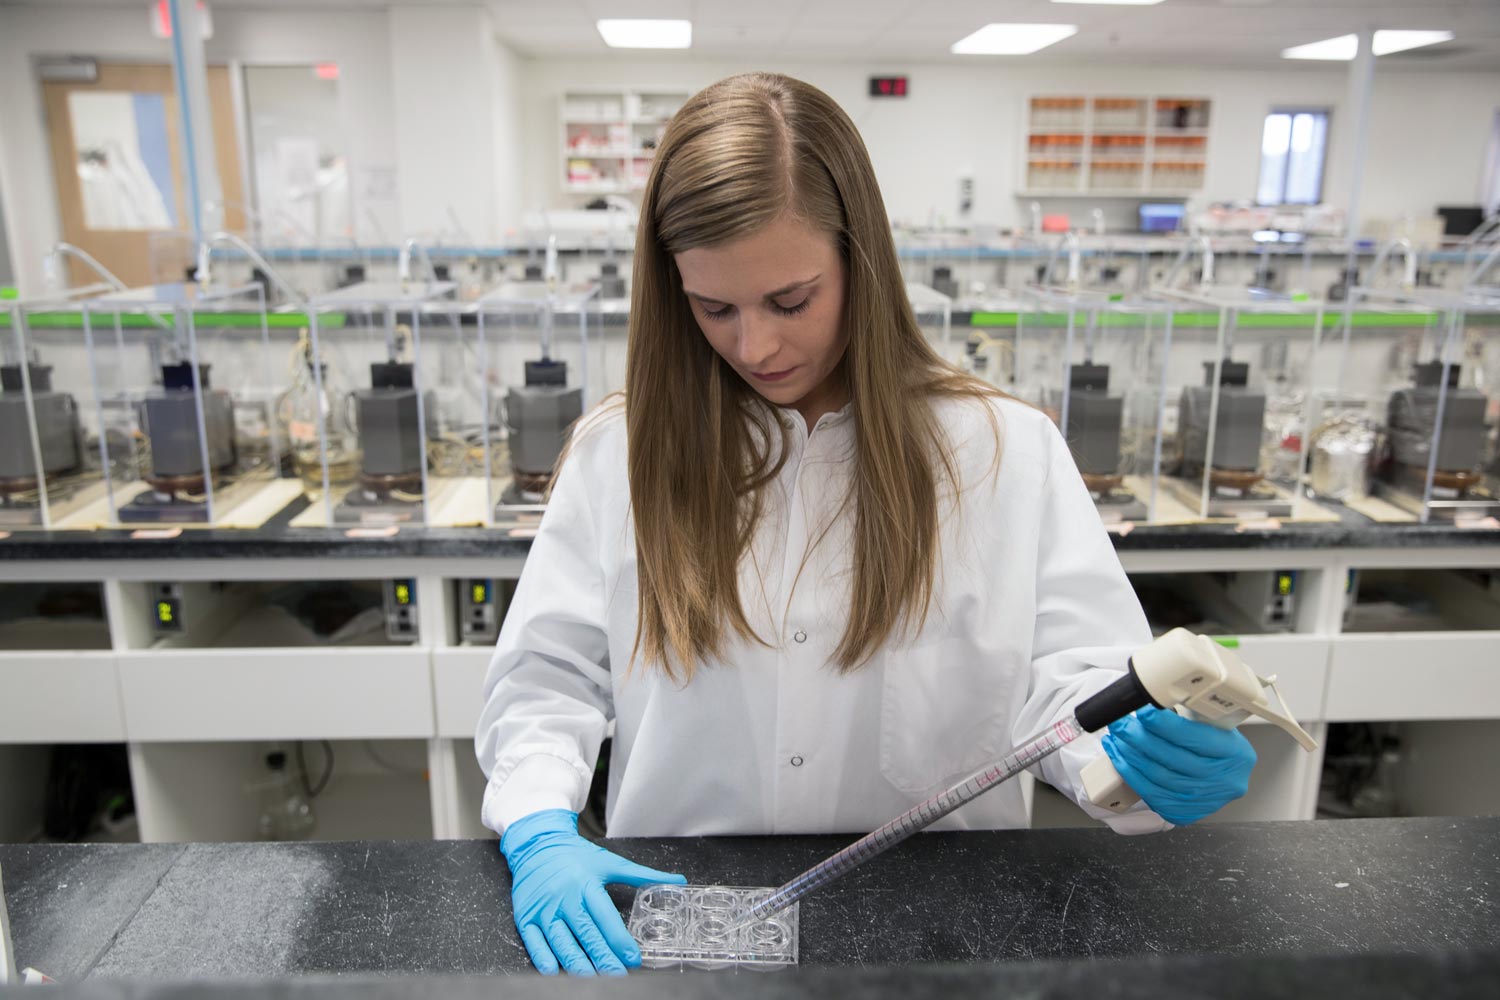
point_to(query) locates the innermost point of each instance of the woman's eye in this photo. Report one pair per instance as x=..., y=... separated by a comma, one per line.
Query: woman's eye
x=792, y=310
x=716, y=314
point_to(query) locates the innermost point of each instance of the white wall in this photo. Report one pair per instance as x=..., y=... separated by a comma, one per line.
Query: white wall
x=1428, y=129
x=507, y=73
x=442, y=59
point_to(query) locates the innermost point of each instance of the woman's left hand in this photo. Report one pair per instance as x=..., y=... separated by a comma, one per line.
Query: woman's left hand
x=1184, y=770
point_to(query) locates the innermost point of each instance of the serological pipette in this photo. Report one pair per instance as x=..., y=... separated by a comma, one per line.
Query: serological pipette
x=1193, y=674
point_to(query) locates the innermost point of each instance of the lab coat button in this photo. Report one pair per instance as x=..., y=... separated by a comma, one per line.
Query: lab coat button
x=796, y=761
x=801, y=636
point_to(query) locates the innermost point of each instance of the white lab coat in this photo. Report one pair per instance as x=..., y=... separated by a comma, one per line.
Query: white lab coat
x=1032, y=614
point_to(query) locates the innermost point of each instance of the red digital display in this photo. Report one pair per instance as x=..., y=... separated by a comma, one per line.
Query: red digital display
x=888, y=86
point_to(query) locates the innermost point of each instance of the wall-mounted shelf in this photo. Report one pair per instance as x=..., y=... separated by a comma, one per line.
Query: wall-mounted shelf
x=601, y=137
x=1080, y=145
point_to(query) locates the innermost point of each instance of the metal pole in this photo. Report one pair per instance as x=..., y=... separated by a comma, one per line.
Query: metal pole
x=1357, y=132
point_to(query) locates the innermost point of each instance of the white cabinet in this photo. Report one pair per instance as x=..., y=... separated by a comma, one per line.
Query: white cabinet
x=457, y=684
x=60, y=697
x=276, y=694
x=1300, y=665
x=1418, y=675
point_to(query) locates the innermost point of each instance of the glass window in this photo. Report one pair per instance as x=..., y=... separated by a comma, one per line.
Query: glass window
x=300, y=177
x=124, y=160
x=1293, y=147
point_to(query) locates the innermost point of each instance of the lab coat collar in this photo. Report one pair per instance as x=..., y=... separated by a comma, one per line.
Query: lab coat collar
x=792, y=418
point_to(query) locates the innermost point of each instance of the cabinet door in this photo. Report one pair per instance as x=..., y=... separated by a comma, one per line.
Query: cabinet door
x=281, y=694
x=1422, y=675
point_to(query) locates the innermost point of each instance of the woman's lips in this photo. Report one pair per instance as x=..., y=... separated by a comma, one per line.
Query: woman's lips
x=772, y=376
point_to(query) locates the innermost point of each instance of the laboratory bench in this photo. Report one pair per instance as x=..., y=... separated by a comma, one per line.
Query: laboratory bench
x=1376, y=907
x=372, y=652
x=1374, y=977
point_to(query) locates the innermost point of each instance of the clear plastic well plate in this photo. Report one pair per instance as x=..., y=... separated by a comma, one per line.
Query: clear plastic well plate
x=691, y=924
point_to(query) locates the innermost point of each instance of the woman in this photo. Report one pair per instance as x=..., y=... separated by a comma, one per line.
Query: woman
x=812, y=572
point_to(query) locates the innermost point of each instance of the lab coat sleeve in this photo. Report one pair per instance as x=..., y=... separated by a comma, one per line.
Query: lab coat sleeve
x=547, y=692
x=1088, y=624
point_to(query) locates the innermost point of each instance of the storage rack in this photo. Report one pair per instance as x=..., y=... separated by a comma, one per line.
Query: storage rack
x=608, y=137
x=1114, y=146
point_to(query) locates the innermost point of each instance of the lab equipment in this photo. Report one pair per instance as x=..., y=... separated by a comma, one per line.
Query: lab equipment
x=1244, y=361
x=611, y=284
x=400, y=598
x=49, y=456
x=1183, y=770
x=177, y=438
x=406, y=446
x=1429, y=372
x=1343, y=455
x=934, y=314
x=1269, y=599
x=166, y=610
x=313, y=411
x=185, y=405
x=480, y=609
x=1095, y=366
x=1450, y=436
x=700, y=926
x=943, y=281
x=557, y=890
x=29, y=406
x=538, y=415
x=522, y=332
x=285, y=812
x=1180, y=670
x=390, y=439
x=1161, y=217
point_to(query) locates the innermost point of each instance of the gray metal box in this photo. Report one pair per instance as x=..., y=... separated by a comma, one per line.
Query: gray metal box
x=389, y=436
x=1237, y=436
x=538, y=417
x=1413, y=417
x=172, y=426
x=57, y=432
x=1094, y=419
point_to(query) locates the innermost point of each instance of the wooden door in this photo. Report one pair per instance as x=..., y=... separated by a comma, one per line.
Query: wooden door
x=119, y=169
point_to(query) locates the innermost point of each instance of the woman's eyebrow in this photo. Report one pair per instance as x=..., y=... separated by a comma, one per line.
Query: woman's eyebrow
x=769, y=295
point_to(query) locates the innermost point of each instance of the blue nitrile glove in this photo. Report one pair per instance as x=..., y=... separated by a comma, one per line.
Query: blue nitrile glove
x=557, y=891
x=1184, y=770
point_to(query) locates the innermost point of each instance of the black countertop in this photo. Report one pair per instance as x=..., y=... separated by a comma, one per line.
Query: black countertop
x=1260, y=893
x=1352, y=531
x=1464, y=976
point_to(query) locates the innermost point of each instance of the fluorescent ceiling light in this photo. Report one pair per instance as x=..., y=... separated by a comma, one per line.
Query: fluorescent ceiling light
x=644, y=33
x=1118, y=3
x=1012, y=39
x=1387, y=42
x=1345, y=47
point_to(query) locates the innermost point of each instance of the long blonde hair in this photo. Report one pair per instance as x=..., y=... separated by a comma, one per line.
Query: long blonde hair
x=738, y=155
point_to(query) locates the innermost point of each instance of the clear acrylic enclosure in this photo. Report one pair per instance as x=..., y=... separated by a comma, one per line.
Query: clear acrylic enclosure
x=698, y=926
x=386, y=424
x=1095, y=366
x=50, y=471
x=186, y=381
x=1429, y=375
x=1239, y=405
x=934, y=312
x=543, y=367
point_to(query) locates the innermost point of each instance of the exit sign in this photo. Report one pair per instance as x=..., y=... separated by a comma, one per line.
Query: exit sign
x=888, y=86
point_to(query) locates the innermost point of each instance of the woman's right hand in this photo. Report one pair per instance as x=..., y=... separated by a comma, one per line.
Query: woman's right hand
x=557, y=891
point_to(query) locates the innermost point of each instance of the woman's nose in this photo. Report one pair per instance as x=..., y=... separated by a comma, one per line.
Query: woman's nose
x=757, y=342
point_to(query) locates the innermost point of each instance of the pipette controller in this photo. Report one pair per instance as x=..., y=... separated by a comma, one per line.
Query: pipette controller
x=1193, y=674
